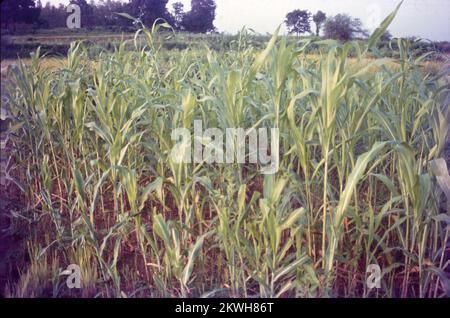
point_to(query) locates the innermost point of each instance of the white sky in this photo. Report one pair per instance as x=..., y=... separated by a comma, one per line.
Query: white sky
x=428, y=19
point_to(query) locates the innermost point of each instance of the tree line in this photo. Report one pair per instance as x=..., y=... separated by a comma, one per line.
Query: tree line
x=340, y=27
x=17, y=14
x=199, y=19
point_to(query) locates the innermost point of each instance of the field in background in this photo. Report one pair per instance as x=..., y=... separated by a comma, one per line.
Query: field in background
x=57, y=42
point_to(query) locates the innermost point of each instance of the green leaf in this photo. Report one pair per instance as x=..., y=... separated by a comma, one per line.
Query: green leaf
x=440, y=170
x=289, y=268
x=125, y=15
x=442, y=218
x=192, y=256
x=261, y=58
x=294, y=217
x=161, y=229
x=353, y=179
x=241, y=198
x=156, y=186
x=79, y=185
x=382, y=28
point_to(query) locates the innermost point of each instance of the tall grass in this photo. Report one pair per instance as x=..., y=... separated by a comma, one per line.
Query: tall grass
x=358, y=140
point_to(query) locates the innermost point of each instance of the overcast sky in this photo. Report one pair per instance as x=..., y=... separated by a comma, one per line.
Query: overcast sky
x=428, y=19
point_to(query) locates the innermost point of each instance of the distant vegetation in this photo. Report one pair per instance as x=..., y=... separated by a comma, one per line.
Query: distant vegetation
x=13, y=46
x=24, y=16
x=27, y=25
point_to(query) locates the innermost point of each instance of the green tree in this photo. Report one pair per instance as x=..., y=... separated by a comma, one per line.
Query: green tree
x=201, y=17
x=298, y=22
x=149, y=10
x=178, y=15
x=319, y=18
x=19, y=11
x=343, y=27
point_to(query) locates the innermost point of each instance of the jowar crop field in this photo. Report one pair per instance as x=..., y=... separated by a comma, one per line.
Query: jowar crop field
x=362, y=178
